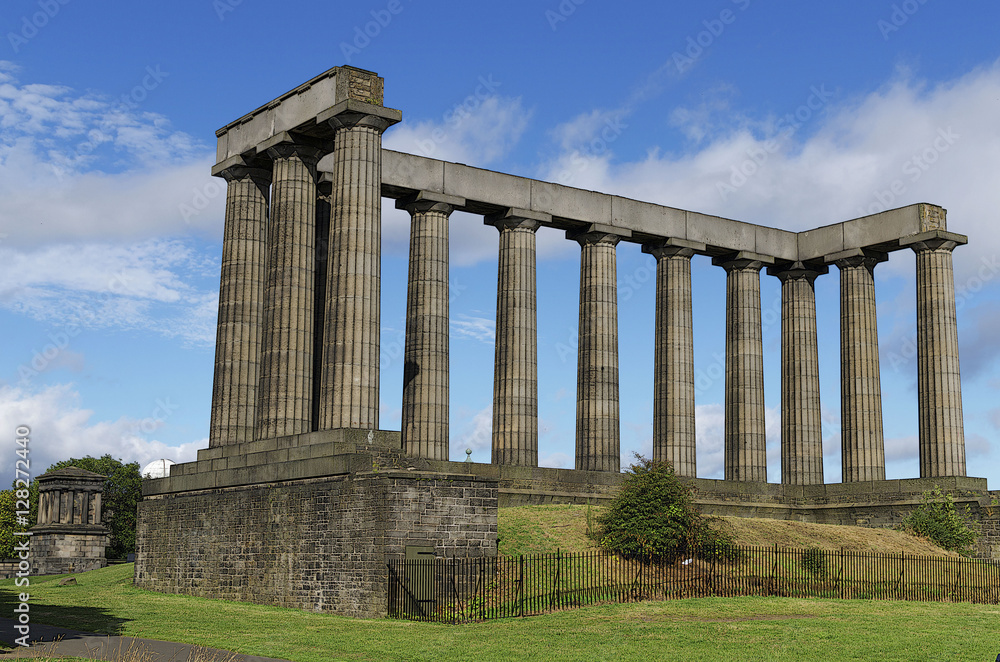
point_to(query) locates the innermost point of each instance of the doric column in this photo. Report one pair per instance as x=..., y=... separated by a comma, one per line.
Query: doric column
x=939, y=384
x=97, y=507
x=241, y=303
x=284, y=401
x=801, y=412
x=65, y=507
x=745, y=433
x=425, y=357
x=862, y=443
x=597, y=406
x=515, y=377
x=673, y=381
x=350, y=388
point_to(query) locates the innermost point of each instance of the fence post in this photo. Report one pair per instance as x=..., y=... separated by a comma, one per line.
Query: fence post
x=521, y=581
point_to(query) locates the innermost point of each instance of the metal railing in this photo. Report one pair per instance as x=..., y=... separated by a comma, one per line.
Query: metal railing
x=458, y=590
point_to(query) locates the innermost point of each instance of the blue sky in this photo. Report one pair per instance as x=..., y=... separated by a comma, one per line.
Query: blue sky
x=786, y=114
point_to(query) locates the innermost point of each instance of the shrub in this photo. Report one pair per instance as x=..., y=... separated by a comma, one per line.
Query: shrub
x=938, y=520
x=813, y=561
x=653, y=518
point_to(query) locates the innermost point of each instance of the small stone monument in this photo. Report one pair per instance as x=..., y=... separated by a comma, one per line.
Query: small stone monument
x=69, y=536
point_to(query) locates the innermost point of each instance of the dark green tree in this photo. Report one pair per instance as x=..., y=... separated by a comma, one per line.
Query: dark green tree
x=653, y=517
x=119, y=503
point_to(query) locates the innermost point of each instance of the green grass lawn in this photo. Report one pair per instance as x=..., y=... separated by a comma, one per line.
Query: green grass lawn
x=691, y=630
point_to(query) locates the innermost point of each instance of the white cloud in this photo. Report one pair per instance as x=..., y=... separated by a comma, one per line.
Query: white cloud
x=61, y=429
x=481, y=329
x=477, y=433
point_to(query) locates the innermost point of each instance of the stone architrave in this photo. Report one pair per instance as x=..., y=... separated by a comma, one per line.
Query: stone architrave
x=939, y=382
x=862, y=441
x=801, y=411
x=424, y=420
x=284, y=402
x=598, y=435
x=745, y=434
x=673, y=381
x=241, y=304
x=349, y=390
x=515, y=377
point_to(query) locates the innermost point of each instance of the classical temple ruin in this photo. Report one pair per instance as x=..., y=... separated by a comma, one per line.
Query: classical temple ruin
x=300, y=498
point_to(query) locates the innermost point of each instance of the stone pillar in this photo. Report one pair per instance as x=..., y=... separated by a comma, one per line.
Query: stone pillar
x=673, y=381
x=597, y=406
x=745, y=434
x=515, y=377
x=424, y=427
x=801, y=412
x=349, y=391
x=939, y=384
x=241, y=301
x=862, y=442
x=284, y=402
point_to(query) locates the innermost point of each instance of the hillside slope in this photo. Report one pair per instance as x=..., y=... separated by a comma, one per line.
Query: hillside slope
x=543, y=529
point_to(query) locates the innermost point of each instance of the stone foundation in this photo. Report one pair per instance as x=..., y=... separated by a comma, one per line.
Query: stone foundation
x=316, y=534
x=59, y=549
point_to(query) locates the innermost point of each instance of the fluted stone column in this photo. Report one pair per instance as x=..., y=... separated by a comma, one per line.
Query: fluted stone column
x=241, y=303
x=284, y=402
x=745, y=433
x=939, y=384
x=597, y=406
x=801, y=412
x=673, y=381
x=515, y=377
x=425, y=356
x=350, y=388
x=862, y=442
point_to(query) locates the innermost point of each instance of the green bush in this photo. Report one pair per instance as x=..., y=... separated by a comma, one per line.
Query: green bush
x=938, y=520
x=653, y=518
x=813, y=561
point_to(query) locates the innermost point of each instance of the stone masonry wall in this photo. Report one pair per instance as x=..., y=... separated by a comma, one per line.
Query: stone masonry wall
x=318, y=544
x=58, y=552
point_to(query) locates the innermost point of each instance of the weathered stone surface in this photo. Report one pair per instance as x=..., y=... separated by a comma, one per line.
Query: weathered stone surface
x=597, y=407
x=515, y=380
x=241, y=306
x=862, y=443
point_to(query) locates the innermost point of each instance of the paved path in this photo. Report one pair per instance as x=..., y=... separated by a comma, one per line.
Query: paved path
x=72, y=643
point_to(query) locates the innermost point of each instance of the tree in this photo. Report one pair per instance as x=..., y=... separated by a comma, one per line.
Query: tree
x=653, y=517
x=119, y=503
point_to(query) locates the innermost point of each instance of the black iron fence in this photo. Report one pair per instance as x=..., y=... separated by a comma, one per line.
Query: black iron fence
x=458, y=590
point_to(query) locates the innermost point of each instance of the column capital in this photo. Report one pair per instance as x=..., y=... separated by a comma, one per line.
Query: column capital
x=351, y=113
x=798, y=270
x=242, y=166
x=308, y=154
x=425, y=201
x=513, y=218
x=597, y=233
x=673, y=247
x=857, y=257
x=742, y=260
x=934, y=240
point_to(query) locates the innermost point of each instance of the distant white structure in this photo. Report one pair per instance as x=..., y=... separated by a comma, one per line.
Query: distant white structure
x=157, y=469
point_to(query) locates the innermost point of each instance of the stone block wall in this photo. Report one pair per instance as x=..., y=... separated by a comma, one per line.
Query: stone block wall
x=57, y=550
x=319, y=544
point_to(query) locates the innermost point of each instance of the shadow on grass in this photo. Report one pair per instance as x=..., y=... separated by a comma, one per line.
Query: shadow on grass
x=43, y=612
